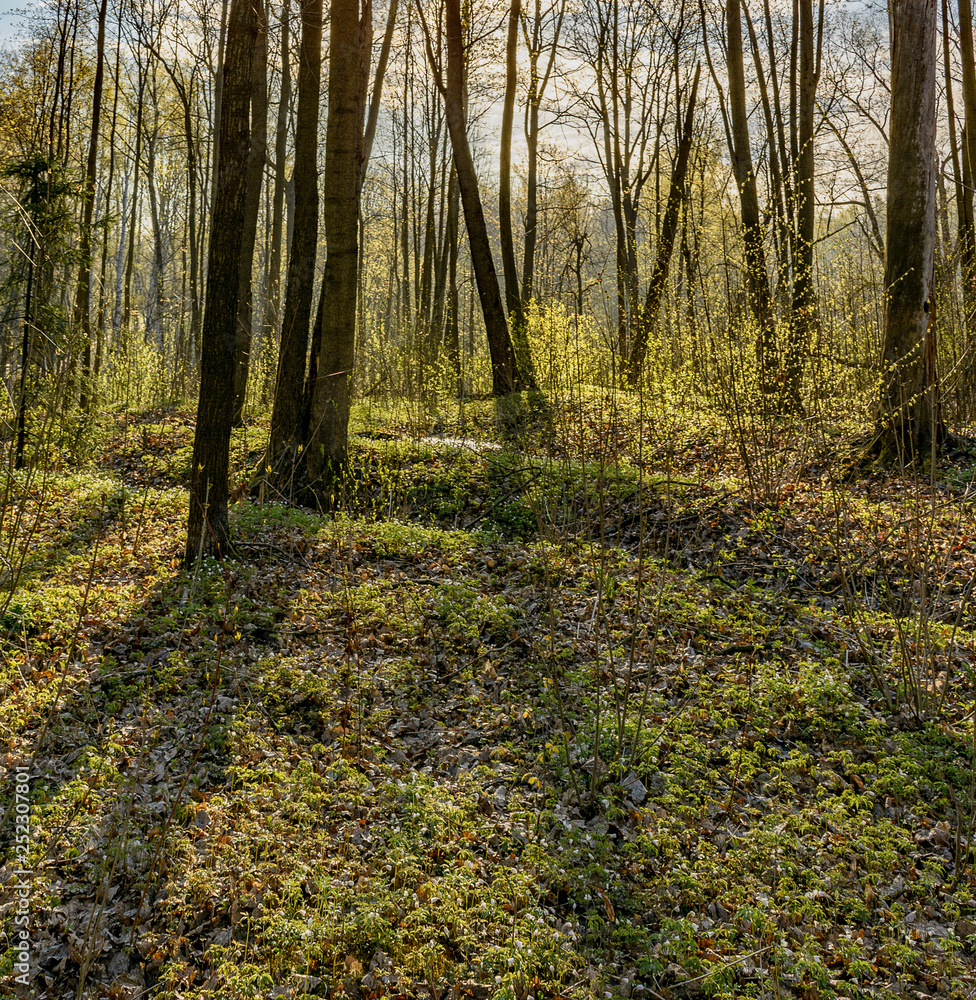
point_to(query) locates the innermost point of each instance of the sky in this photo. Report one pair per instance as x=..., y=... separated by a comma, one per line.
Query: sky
x=11, y=17
x=8, y=19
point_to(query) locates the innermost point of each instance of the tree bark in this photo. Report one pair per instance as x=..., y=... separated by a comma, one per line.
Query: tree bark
x=537, y=86
x=757, y=279
x=803, y=312
x=499, y=342
x=257, y=157
x=524, y=368
x=328, y=433
x=910, y=421
x=82, y=310
x=208, y=530
x=967, y=217
x=284, y=447
x=272, y=316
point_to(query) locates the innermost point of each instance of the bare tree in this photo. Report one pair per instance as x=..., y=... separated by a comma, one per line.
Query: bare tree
x=503, y=371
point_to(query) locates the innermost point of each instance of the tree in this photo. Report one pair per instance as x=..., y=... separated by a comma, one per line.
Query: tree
x=272, y=312
x=909, y=422
x=534, y=32
x=348, y=65
x=736, y=120
x=82, y=310
x=525, y=370
x=803, y=311
x=503, y=370
x=208, y=530
x=40, y=224
x=964, y=179
x=257, y=158
x=285, y=443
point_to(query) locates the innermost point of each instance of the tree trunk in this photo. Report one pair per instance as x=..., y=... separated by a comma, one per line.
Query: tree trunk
x=452, y=338
x=257, y=157
x=803, y=312
x=101, y=321
x=757, y=279
x=499, y=341
x=328, y=433
x=272, y=313
x=208, y=530
x=524, y=368
x=82, y=310
x=537, y=86
x=967, y=219
x=126, y=318
x=910, y=422
x=280, y=464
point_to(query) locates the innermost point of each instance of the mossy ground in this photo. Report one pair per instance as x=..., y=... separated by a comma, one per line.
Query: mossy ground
x=600, y=715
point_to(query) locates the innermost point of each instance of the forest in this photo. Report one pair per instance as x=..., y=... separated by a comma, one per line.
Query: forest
x=487, y=499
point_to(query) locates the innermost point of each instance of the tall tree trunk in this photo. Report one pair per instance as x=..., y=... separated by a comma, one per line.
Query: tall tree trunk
x=757, y=279
x=101, y=322
x=286, y=417
x=524, y=368
x=505, y=167
x=272, y=313
x=910, y=422
x=967, y=217
x=499, y=342
x=452, y=338
x=208, y=529
x=134, y=222
x=82, y=310
x=328, y=433
x=803, y=312
x=157, y=296
x=257, y=157
x=537, y=86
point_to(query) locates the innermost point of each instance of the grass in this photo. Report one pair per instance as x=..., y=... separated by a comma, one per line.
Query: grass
x=594, y=718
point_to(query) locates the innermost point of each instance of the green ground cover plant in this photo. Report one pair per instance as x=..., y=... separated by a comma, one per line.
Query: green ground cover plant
x=591, y=713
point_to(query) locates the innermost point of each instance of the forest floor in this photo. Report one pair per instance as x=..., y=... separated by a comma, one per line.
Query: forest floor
x=658, y=710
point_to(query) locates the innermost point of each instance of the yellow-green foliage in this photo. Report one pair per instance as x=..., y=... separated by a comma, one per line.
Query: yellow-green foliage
x=566, y=349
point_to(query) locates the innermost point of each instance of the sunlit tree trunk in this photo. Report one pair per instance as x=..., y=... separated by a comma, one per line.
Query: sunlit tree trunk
x=803, y=312
x=525, y=370
x=909, y=419
x=272, y=312
x=538, y=82
x=967, y=218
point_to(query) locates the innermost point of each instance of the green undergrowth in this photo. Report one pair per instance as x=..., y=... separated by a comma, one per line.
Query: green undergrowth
x=509, y=725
